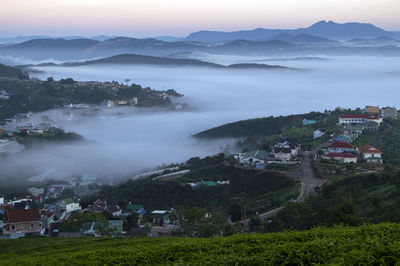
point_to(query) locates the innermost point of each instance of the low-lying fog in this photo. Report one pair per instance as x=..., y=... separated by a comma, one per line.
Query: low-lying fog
x=145, y=138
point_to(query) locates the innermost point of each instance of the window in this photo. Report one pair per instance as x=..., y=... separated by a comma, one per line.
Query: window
x=13, y=227
x=32, y=226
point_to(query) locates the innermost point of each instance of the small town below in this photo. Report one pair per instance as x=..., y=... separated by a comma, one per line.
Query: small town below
x=288, y=160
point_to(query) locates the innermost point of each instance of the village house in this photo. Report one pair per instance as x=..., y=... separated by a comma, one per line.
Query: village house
x=341, y=146
x=283, y=154
x=126, y=102
x=24, y=204
x=26, y=221
x=252, y=158
x=308, y=122
x=342, y=157
x=70, y=205
x=114, y=210
x=370, y=154
x=374, y=110
x=389, y=112
x=99, y=205
x=345, y=138
x=160, y=218
x=286, y=148
x=318, y=133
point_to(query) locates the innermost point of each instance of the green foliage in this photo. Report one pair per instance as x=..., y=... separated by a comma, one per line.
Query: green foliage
x=35, y=95
x=340, y=245
x=12, y=72
x=390, y=143
x=52, y=135
x=351, y=200
x=80, y=221
x=249, y=188
x=198, y=222
x=245, y=128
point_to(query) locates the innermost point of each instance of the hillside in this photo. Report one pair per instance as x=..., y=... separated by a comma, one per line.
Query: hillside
x=351, y=200
x=134, y=59
x=251, y=127
x=142, y=59
x=11, y=72
x=257, y=191
x=30, y=95
x=365, y=245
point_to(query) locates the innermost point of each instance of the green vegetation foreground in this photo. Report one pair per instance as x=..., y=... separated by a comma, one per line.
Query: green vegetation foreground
x=368, y=244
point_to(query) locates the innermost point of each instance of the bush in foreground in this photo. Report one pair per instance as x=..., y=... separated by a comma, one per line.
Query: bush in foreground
x=368, y=244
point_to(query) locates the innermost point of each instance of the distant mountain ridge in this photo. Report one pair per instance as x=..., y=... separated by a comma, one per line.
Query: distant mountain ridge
x=320, y=38
x=330, y=30
x=133, y=59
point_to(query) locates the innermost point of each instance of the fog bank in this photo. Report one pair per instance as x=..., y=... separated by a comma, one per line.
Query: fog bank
x=143, y=138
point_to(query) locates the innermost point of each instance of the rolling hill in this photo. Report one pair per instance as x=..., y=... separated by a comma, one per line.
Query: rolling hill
x=133, y=59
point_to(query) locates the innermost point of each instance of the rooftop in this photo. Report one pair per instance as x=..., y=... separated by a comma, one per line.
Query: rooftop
x=341, y=144
x=369, y=149
x=365, y=116
x=17, y=216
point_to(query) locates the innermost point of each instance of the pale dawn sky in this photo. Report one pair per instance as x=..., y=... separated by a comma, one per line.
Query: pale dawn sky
x=144, y=18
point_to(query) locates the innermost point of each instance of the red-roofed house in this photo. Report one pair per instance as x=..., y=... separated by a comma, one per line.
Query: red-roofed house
x=342, y=157
x=22, y=221
x=359, y=119
x=371, y=154
x=100, y=204
x=340, y=146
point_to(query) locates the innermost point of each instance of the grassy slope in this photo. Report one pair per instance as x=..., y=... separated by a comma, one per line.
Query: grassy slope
x=369, y=244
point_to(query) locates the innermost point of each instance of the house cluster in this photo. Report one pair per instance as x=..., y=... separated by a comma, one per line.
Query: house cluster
x=125, y=102
x=345, y=152
x=284, y=152
x=4, y=95
x=29, y=217
x=370, y=119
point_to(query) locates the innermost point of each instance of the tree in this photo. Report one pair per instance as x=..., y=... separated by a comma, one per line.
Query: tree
x=197, y=222
x=127, y=81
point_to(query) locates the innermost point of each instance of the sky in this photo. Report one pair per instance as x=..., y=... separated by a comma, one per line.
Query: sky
x=145, y=18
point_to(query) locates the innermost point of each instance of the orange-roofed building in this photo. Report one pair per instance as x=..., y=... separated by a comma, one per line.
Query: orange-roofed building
x=370, y=153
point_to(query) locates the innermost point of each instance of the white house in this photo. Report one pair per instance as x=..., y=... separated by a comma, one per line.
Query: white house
x=72, y=207
x=340, y=146
x=318, y=133
x=371, y=154
x=343, y=157
x=284, y=154
x=359, y=119
x=252, y=158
